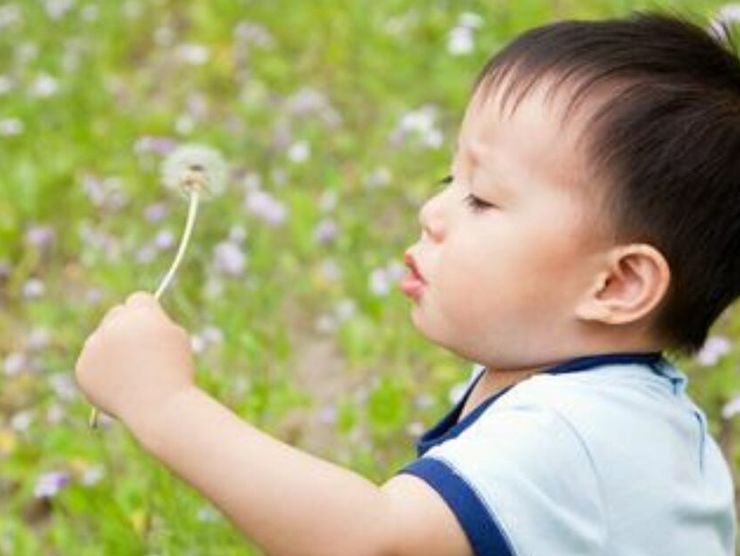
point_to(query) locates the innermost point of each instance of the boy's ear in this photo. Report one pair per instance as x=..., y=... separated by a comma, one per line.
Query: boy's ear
x=631, y=284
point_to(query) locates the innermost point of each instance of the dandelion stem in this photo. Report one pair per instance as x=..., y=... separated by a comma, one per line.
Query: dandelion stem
x=192, y=213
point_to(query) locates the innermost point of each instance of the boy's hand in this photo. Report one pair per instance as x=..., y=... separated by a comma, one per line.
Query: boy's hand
x=136, y=360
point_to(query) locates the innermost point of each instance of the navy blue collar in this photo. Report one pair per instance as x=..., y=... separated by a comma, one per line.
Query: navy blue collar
x=449, y=427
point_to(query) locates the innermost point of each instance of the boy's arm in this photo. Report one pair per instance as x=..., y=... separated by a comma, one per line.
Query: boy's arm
x=138, y=366
x=287, y=501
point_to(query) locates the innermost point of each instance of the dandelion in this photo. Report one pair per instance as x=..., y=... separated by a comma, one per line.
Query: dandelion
x=195, y=171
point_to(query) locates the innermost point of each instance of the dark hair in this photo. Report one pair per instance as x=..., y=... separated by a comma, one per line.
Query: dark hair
x=665, y=136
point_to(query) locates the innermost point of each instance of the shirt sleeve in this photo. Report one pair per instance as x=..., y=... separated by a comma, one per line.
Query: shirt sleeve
x=520, y=482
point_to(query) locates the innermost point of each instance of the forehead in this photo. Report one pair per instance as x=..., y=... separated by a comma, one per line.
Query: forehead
x=532, y=139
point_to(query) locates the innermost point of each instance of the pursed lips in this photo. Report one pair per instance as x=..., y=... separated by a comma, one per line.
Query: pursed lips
x=411, y=264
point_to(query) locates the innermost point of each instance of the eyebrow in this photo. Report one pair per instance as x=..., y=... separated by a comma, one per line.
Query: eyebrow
x=499, y=184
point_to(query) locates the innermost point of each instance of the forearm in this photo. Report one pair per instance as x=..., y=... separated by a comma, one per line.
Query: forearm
x=285, y=500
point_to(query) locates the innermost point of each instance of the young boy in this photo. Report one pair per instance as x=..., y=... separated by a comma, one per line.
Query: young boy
x=590, y=223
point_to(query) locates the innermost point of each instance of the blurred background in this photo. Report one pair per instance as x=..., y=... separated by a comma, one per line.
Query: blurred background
x=337, y=118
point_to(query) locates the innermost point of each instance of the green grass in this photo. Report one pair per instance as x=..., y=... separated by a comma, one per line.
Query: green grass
x=119, y=78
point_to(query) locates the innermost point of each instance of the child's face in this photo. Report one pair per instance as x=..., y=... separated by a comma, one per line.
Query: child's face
x=502, y=282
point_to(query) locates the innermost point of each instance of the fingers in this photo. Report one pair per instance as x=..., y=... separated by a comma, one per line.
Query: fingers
x=142, y=299
x=111, y=315
x=136, y=299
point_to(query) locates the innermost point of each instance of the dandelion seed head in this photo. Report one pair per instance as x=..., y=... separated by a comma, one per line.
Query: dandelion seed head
x=195, y=167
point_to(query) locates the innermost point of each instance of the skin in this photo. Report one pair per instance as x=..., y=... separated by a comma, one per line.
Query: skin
x=515, y=287
x=532, y=279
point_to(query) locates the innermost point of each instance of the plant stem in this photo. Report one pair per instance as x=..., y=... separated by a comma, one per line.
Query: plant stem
x=192, y=213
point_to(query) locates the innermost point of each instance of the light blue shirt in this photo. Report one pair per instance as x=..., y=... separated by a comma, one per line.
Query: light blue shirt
x=600, y=455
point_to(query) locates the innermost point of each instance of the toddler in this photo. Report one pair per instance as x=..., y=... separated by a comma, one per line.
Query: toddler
x=589, y=225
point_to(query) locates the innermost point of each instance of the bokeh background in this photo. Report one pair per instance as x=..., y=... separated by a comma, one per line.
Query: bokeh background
x=337, y=118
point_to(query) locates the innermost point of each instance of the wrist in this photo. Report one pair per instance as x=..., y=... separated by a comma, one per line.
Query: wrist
x=150, y=426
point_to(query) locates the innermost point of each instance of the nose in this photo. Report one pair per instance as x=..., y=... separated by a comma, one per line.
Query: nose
x=432, y=219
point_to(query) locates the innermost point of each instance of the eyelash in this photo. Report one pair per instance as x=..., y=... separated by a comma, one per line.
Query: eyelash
x=476, y=204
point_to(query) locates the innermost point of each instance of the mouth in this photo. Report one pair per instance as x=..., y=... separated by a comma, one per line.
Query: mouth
x=413, y=267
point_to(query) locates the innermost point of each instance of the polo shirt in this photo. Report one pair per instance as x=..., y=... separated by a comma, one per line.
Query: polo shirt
x=600, y=454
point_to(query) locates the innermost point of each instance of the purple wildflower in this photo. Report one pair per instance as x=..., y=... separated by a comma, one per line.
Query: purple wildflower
x=325, y=231
x=164, y=239
x=49, y=484
x=266, y=207
x=156, y=212
x=229, y=258
x=713, y=350
x=33, y=288
x=161, y=146
x=40, y=236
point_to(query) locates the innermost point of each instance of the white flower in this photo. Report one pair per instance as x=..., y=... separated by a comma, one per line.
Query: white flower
x=194, y=54
x=325, y=231
x=299, y=152
x=229, y=258
x=460, y=41
x=20, y=421
x=728, y=14
x=10, y=14
x=457, y=392
x=6, y=84
x=11, y=126
x=92, y=475
x=14, y=363
x=56, y=9
x=713, y=350
x=380, y=177
x=44, y=86
x=380, y=283
x=267, y=207
x=33, y=288
x=330, y=270
x=194, y=165
x=731, y=408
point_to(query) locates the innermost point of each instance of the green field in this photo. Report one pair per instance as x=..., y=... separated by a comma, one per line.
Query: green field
x=337, y=119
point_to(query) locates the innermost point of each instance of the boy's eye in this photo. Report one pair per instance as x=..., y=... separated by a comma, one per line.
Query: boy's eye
x=476, y=204
x=471, y=200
